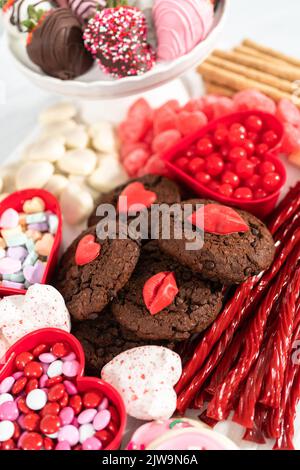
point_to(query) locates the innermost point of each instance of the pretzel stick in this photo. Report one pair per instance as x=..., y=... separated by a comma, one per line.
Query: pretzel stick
x=253, y=74
x=215, y=89
x=248, y=51
x=288, y=73
x=269, y=51
x=239, y=83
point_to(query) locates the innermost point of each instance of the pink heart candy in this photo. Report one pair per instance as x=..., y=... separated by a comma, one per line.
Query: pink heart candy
x=9, y=265
x=34, y=274
x=9, y=219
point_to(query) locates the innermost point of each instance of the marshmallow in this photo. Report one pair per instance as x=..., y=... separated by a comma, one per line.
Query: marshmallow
x=78, y=162
x=41, y=307
x=145, y=377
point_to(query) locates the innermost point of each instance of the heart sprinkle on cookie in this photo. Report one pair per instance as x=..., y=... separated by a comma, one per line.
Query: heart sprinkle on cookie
x=221, y=220
x=135, y=197
x=159, y=291
x=87, y=250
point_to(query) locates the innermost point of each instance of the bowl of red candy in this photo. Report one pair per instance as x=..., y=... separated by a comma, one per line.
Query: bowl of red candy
x=233, y=160
x=46, y=402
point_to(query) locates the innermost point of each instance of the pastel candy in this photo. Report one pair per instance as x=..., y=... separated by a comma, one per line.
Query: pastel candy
x=33, y=234
x=10, y=233
x=78, y=162
x=2, y=253
x=17, y=277
x=29, y=244
x=36, y=204
x=44, y=245
x=40, y=227
x=36, y=218
x=145, y=377
x=53, y=223
x=17, y=240
x=34, y=274
x=9, y=265
x=30, y=259
x=17, y=252
x=9, y=219
x=13, y=285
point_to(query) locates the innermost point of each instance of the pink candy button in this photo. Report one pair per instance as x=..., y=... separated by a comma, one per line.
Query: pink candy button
x=63, y=445
x=47, y=358
x=87, y=416
x=70, y=434
x=70, y=368
x=92, y=443
x=101, y=420
x=66, y=416
x=70, y=387
x=103, y=405
x=9, y=411
x=6, y=384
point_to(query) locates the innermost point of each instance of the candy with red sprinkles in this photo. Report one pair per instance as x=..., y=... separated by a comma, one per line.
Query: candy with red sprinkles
x=117, y=37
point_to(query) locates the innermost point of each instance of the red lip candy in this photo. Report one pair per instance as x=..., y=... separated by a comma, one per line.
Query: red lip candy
x=159, y=291
x=222, y=220
x=87, y=250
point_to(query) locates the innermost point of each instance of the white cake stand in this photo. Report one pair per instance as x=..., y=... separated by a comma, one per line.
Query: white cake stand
x=96, y=85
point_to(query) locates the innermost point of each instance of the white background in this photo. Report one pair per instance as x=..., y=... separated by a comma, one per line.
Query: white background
x=273, y=22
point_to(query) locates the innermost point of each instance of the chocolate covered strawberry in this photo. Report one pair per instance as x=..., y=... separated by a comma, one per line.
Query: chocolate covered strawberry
x=117, y=37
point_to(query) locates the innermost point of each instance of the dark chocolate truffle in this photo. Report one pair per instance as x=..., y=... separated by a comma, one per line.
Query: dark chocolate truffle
x=57, y=47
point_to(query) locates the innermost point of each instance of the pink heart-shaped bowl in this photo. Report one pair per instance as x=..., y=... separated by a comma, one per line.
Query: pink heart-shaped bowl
x=49, y=336
x=16, y=201
x=259, y=207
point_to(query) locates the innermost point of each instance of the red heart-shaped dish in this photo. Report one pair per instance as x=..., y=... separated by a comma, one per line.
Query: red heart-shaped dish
x=16, y=201
x=49, y=337
x=205, y=162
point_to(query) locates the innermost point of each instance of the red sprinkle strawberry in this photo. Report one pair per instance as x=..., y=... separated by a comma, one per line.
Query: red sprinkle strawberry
x=117, y=36
x=159, y=291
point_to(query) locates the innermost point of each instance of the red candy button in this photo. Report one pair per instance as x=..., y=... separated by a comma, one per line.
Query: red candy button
x=87, y=250
x=159, y=291
x=205, y=147
x=104, y=436
x=22, y=406
x=135, y=197
x=19, y=385
x=32, y=384
x=60, y=349
x=8, y=445
x=40, y=349
x=50, y=424
x=222, y=220
x=76, y=403
x=33, y=369
x=54, y=380
x=31, y=422
x=56, y=392
x=50, y=409
x=91, y=399
x=64, y=400
x=31, y=441
x=48, y=443
x=22, y=359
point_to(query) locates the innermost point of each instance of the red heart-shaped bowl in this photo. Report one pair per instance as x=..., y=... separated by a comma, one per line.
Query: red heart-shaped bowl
x=50, y=336
x=259, y=207
x=16, y=201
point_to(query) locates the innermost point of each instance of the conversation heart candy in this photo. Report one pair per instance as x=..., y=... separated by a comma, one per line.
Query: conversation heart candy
x=44, y=245
x=9, y=219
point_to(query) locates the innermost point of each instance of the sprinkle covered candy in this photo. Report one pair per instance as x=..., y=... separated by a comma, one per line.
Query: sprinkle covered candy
x=118, y=38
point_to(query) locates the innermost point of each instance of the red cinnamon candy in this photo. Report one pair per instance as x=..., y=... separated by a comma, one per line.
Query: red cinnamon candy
x=159, y=291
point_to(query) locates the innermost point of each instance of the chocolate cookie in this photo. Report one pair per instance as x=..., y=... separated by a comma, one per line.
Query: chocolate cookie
x=236, y=244
x=92, y=271
x=181, y=302
x=103, y=339
x=165, y=191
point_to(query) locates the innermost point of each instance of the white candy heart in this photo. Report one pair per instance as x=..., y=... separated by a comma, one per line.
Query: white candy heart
x=108, y=175
x=103, y=136
x=41, y=307
x=34, y=174
x=78, y=162
x=145, y=377
x=76, y=204
x=58, y=112
x=56, y=184
x=50, y=149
